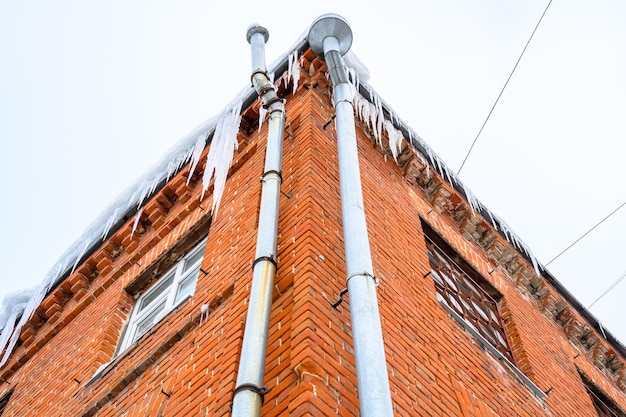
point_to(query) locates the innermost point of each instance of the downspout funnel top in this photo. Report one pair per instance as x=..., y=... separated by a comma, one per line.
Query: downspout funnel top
x=256, y=28
x=330, y=25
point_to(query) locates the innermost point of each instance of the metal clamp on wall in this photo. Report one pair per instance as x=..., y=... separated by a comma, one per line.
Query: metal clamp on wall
x=250, y=387
x=269, y=259
x=345, y=290
x=272, y=171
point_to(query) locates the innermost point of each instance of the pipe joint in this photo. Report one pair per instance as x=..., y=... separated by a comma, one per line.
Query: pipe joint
x=269, y=259
x=272, y=174
x=262, y=86
x=276, y=110
x=258, y=72
x=273, y=101
x=260, y=391
x=336, y=68
x=344, y=100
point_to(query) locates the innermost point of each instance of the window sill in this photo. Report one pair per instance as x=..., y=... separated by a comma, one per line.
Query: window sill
x=104, y=368
x=495, y=352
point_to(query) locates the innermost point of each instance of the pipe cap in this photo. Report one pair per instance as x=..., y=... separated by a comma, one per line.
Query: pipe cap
x=256, y=28
x=330, y=25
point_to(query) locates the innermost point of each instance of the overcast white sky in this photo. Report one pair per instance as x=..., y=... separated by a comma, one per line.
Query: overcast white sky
x=93, y=93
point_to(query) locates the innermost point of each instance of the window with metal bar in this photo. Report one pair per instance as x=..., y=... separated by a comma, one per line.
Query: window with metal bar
x=466, y=297
x=4, y=401
x=603, y=405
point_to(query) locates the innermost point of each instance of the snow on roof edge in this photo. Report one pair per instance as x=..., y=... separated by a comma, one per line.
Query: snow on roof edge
x=21, y=304
x=376, y=116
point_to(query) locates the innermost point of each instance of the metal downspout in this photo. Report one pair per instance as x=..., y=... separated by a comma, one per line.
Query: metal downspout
x=331, y=36
x=249, y=392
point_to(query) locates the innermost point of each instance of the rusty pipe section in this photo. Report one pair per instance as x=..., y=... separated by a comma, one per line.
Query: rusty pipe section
x=330, y=36
x=249, y=392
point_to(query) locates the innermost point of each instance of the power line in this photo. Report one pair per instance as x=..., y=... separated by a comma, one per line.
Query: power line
x=502, y=91
x=608, y=290
x=586, y=233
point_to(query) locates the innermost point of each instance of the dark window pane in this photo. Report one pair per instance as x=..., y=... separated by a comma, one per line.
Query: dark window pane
x=461, y=293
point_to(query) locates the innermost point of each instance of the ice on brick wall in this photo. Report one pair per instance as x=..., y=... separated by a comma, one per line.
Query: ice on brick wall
x=187, y=150
x=221, y=153
x=372, y=113
x=14, y=314
x=17, y=308
x=293, y=70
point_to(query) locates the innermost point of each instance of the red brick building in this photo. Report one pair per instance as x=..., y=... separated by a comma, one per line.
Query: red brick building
x=150, y=322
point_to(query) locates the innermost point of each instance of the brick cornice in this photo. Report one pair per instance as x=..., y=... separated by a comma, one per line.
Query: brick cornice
x=122, y=253
x=448, y=202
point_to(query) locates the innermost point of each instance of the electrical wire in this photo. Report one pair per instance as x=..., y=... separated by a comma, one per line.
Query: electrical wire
x=585, y=234
x=502, y=91
x=608, y=290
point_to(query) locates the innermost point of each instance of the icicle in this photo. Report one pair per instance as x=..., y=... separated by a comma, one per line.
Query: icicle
x=204, y=312
x=9, y=325
x=516, y=241
x=86, y=245
x=110, y=222
x=368, y=114
x=27, y=308
x=446, y=171
x=221, y=153
x=493, y=222
x=395, y=139
x=293, y=71
x=296, y=73
x=380, y=117
x=471, y=198
x=136, y=222
x=262, y=114
x=168, y=166
x=355, y=64
x=12, y=306
x=195, y=155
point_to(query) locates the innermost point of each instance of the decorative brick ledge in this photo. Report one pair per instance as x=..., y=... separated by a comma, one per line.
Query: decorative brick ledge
x=449, y=202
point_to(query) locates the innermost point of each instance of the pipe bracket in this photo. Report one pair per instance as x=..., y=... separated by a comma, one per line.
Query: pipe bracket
x=250, y=387
x=271, y=100
x=329, y=121
x=259, y=72
x=269, y=259
x=345, y=290
x=345, y=100
x=272, y=171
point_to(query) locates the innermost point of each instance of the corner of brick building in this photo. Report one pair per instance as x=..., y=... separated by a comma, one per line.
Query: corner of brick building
x=187, y=364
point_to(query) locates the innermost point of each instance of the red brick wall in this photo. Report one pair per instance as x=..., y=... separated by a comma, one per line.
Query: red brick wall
x=184, y=368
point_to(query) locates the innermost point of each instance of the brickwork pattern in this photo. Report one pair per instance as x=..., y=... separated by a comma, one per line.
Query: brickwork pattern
x=186, y=366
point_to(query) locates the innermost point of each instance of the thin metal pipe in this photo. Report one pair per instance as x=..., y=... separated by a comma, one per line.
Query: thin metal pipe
x=248, y=396
x=331, y=35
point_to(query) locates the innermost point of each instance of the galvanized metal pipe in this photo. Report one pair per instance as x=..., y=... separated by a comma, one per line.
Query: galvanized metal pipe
x=331, y=36
x=247, y=400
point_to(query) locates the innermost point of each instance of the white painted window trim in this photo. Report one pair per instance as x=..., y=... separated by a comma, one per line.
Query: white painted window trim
x=165, y=298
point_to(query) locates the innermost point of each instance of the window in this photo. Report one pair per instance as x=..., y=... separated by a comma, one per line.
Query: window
x=177, y=285
x=5, y=400
x=464, y=296
x=603, y=405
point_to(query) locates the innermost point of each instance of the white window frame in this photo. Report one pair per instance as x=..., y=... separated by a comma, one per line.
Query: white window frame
x=163, y=296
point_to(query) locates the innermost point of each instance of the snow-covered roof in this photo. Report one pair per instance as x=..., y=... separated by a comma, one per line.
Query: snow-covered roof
x=221, y=131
